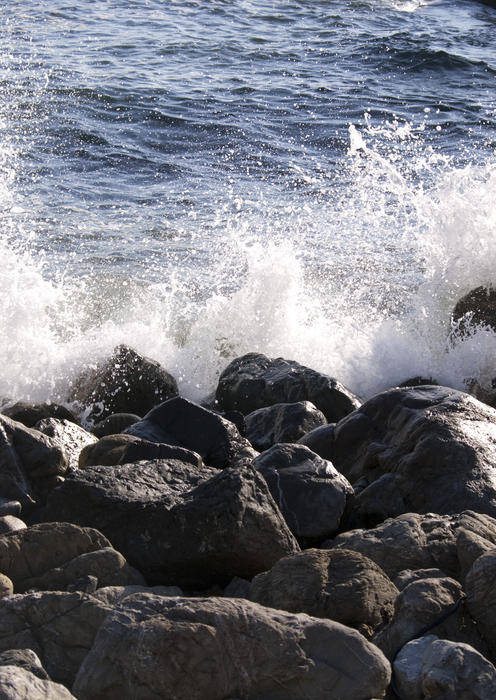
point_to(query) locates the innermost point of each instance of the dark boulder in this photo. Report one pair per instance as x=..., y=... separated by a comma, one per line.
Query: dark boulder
x=282, y=422
x=69, y=436
x=254, y=381
x=114, y=424
x=124, y=449
x=29, y=413
x=125, y=383
x=424, y=449
x=310, y=493
x=476, y=308
x=186, y=424
x=177, y=524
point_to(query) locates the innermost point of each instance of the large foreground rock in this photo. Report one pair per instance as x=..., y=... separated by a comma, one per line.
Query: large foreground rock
x=340, y=585
x=186, y=424
x=216, y=648
x=30, y=463
x=310, y=493
x=254, y=381
x=437, y=668
x=424, y=449
x=413, y=541
x=127, y=382
x=179, y=525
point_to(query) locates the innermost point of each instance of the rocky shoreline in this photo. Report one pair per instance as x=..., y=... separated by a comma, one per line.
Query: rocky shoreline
x=279, y=541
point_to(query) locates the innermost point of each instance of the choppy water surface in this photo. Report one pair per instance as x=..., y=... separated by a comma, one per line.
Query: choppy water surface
x=202, y=179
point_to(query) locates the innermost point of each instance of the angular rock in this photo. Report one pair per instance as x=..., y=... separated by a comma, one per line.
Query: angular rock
x=310, y=493
x=437, y=443
x=51, y=555
x=481, y=597
x=18, y=684
x=125, y=383
x=124, y=449
x=71, y=438
x=424, y=605
x=320, y=440
x=178, y=524
x=340, y=585
x=30, y=463
x=282, y=422
x=26, y=659
x=254, y=381
x=437, y=668
x=31, y=413
x=59, y=627
x=115, y=424
x=183, y=423
x=211, y=648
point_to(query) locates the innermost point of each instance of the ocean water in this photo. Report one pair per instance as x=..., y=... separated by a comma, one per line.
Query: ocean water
x=203, y=178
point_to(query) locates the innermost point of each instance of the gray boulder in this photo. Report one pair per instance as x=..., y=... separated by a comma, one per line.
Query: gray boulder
x=127, y=382
x=433, y=447
x=59, y=627
x=29, y=413
x=70, y=437
x=50, y=556
x=310, y=493
x=9, y=523
x=20, y=684
x=115, y=424
x=177, y=524
x=186, y=424
x=124, y=449
x=6, y=586
x=30, y=463
x=26, y=659
x=340, y=585
x=254, y=381
x=282, y=422
x=211, y=648
x=437, y=668
x=481, y=597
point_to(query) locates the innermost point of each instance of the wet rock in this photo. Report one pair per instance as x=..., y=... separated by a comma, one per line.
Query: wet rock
x=254, y=381
x=127, y=382
x=71, y=438
x=437, y=443
x=415, y=541
x=9, y=523
x=31, y=413
x=340, y=585
x=320, y=440
x=124, y=449
x=185, y=424
x=210, y=648
x=26, y=659
x=424, y=605
x=115, y=424
x=477, y=308
x=176, y=523
x=283, y=422
x=30, y=463
x=310, y=493
x=18, y=683
x=51, y=555
x=437, y=668
x=59, y=627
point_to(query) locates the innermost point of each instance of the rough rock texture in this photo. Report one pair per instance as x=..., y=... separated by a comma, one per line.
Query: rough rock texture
x=212, y=648
x=127, y=382
x=124, y=449
x=30, y=463
x=58, y=627
x=24, y=658
x=434, y=446
x=71, y=438
x=52, y=555
x=178, y=524
x=341, y=585
x=186, y=424
x=6, y=586
x=437, y=668
x=481, y=594
x=20, y=684
x=282, y=422
x=30, y=413
x=408, y=576
x=427, y=604
x=115, y=424
x=254, y=381
x=310, y=493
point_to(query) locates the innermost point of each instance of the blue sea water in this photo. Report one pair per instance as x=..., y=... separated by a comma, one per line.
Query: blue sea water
x=199, y=179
